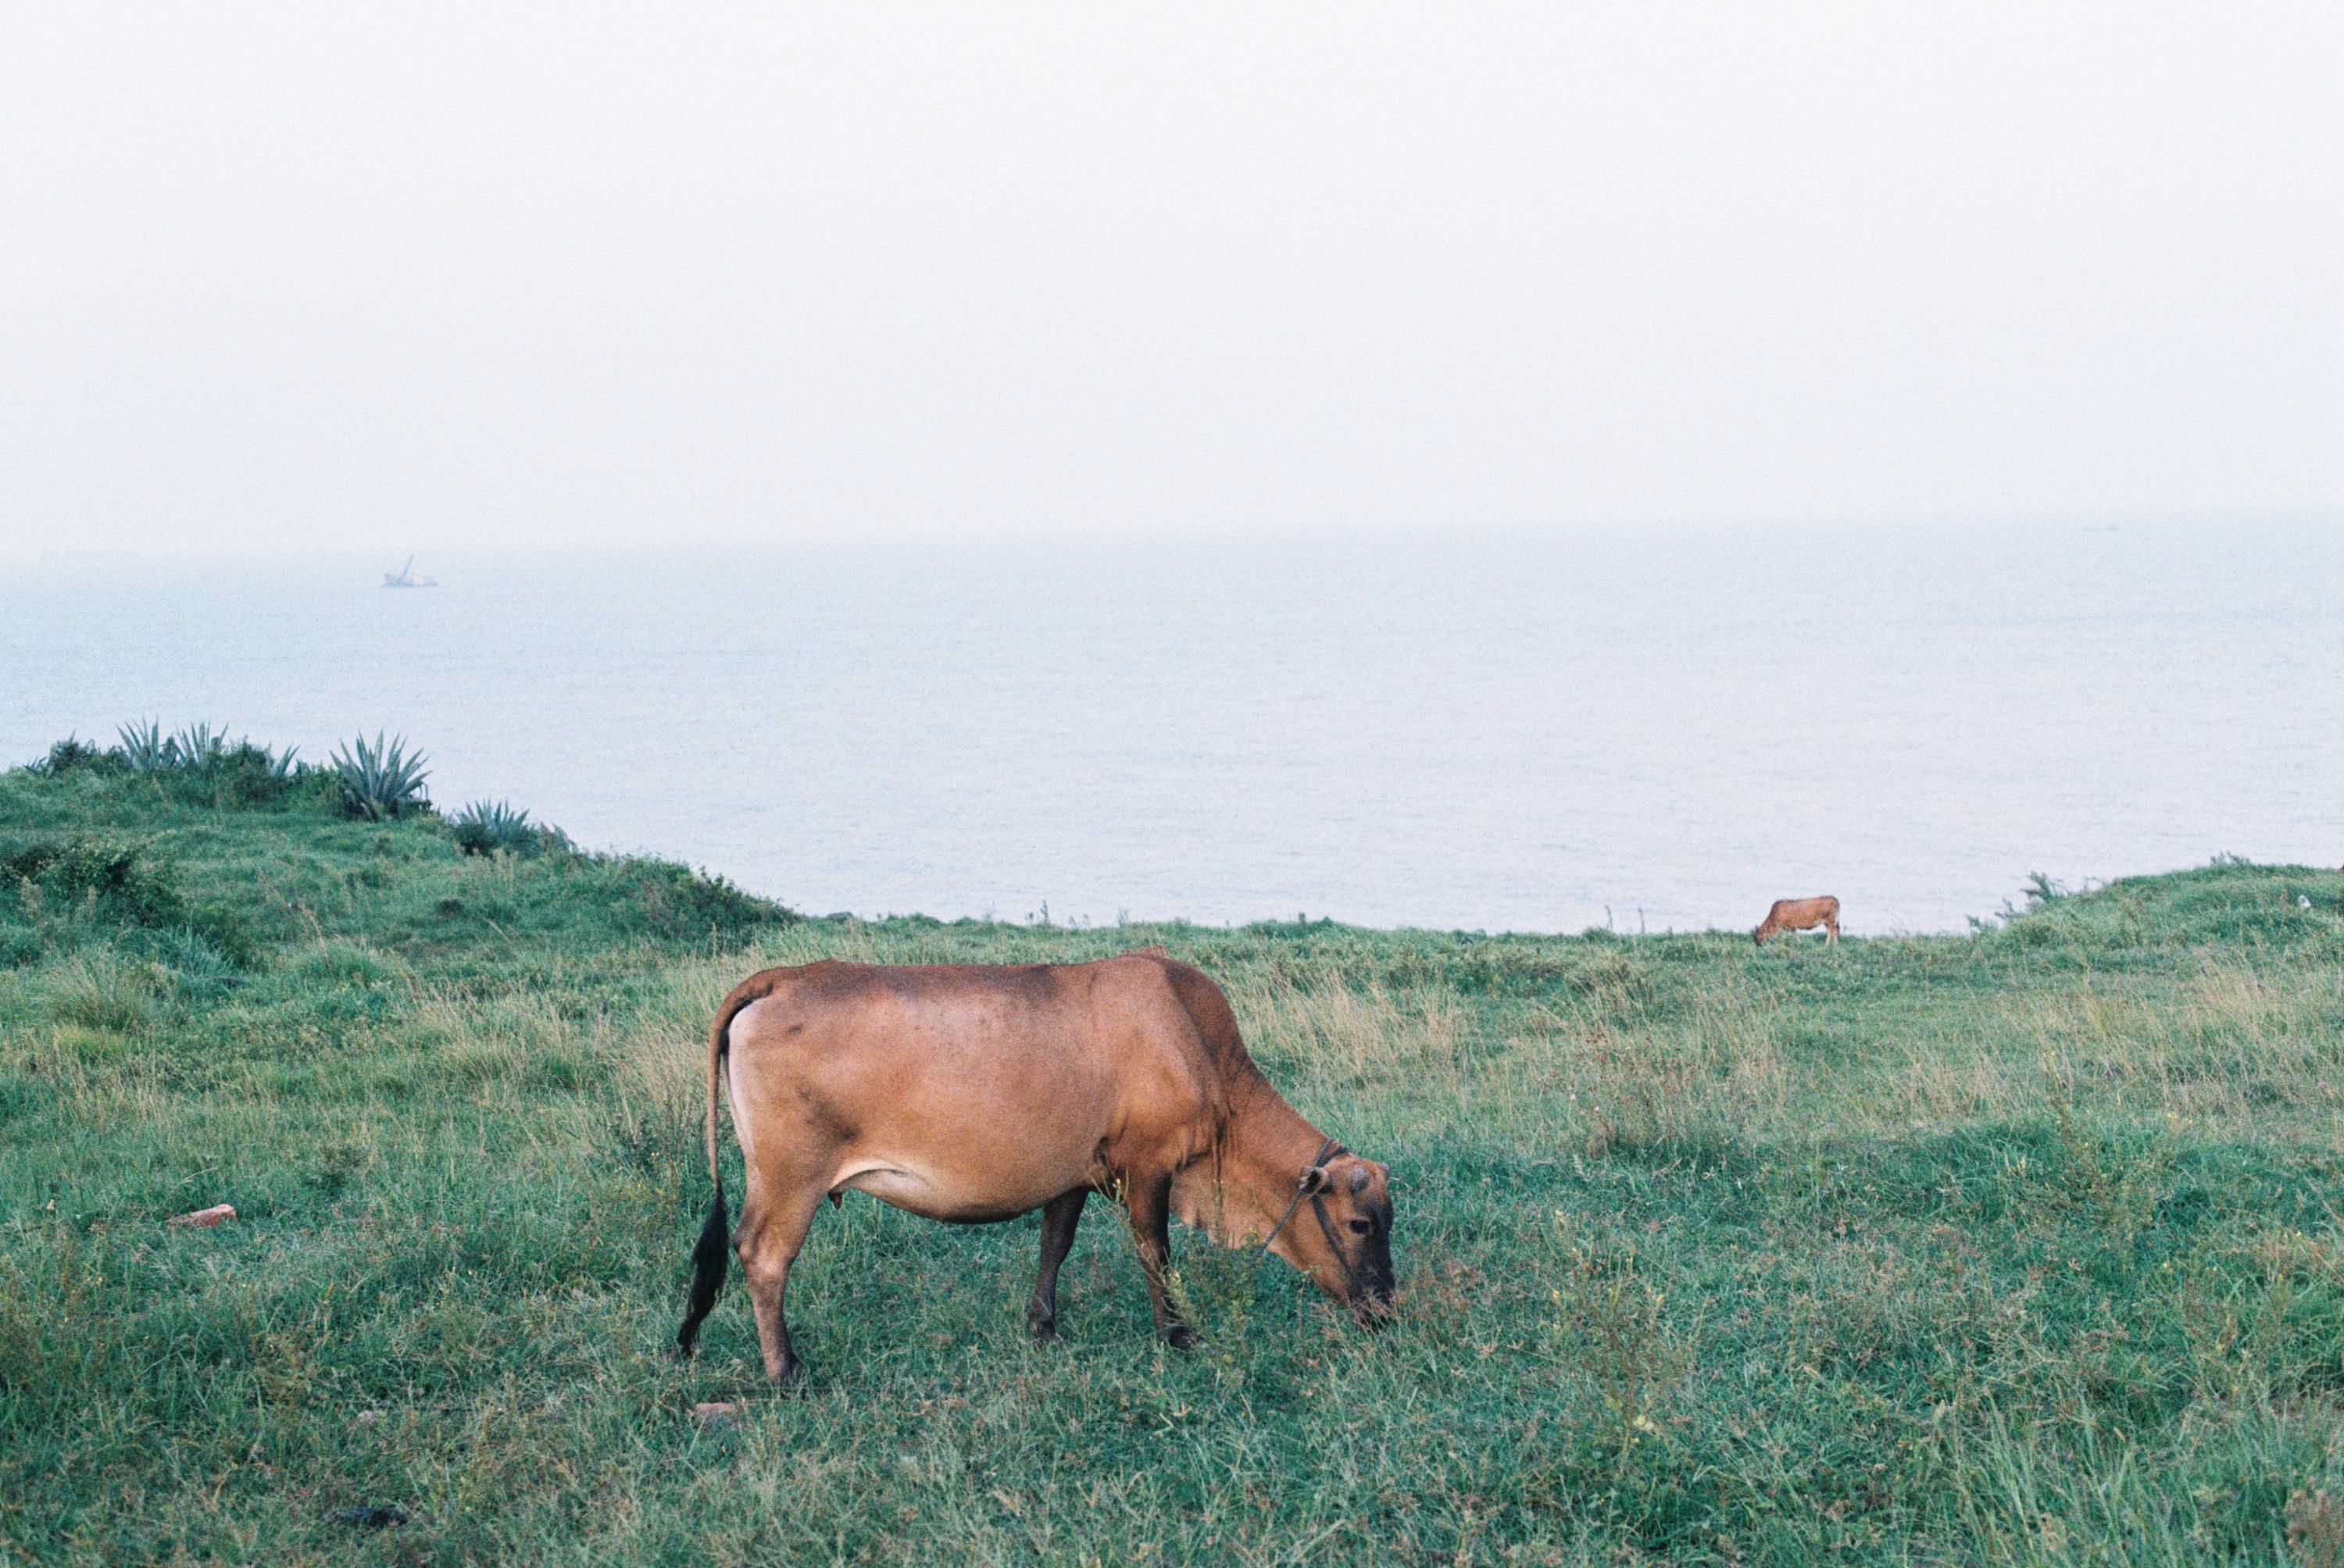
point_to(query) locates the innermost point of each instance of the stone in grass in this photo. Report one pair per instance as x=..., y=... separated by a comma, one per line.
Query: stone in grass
x=716, y=1412
x=204, y=1216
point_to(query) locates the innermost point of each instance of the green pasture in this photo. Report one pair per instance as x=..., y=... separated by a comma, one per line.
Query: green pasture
x=2026, y=1245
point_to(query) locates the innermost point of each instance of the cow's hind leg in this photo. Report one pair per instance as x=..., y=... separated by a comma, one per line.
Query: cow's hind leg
x=1148, y=1204
x=773, y=1226
x=1059, y=1217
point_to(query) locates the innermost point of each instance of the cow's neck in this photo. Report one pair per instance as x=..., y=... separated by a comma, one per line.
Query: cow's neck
x=1267, y=1146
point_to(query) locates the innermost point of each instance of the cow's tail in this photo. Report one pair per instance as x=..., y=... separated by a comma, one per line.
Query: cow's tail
x=711, y=1254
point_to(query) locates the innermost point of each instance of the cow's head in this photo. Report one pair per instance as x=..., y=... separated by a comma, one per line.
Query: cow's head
x=1341, y=1235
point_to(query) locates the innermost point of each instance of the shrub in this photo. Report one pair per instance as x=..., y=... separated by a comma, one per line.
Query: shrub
x=673, y=901
x=381, y=780
x=198, y=763
x=485, y=826
x=2041, y=891
x=246, y=774
x=74, y=755
x=118, y=877
x=122, y=883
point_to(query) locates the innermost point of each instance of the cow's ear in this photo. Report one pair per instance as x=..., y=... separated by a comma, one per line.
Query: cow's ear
x=1315, y=1179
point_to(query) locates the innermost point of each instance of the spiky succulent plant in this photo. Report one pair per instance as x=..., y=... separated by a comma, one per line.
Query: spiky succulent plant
x=145, y=748
x=380, y=779
x=485, y=826
x=196, y=746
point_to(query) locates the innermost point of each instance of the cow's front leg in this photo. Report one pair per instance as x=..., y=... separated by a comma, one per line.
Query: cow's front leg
x=1148, y=1203
x=1059, y=1217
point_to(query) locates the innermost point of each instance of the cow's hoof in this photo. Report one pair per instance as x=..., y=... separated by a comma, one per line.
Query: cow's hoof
x=1045, y=1329
x=1181, y=1337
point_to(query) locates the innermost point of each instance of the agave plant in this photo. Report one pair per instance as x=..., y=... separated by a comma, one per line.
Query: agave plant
x=198, y=746
x=280, y=770
x=146, y=749
x=383, y=779
x=487, y=825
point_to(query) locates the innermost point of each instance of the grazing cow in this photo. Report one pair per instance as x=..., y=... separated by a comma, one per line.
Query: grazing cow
x=972, y=1094
x=1800, y=915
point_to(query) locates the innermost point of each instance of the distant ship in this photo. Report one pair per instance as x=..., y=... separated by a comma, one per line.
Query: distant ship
x=405, y=578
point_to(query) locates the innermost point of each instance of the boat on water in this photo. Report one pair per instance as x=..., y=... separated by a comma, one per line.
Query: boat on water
x=405, y=578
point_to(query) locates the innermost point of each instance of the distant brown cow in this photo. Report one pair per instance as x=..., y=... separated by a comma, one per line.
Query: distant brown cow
x=1801, y=915
x=976, y=1093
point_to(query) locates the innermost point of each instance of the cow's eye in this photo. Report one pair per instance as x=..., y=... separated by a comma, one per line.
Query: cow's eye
x=1361, y=1227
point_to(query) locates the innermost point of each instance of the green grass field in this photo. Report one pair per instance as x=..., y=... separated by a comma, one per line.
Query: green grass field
x=2025, y=1246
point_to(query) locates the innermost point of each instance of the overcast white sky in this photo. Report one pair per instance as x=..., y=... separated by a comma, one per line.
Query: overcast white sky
x=307, y=275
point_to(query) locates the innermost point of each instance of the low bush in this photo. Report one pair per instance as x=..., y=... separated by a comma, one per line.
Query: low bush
x=198, y=764
x=122, y=877
x=484, y=827
x=662, y=898
x=246, y=776
x=73, y=754
x=124, y=885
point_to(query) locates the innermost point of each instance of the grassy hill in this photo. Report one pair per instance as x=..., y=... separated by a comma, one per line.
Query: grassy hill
x=2021, y=1246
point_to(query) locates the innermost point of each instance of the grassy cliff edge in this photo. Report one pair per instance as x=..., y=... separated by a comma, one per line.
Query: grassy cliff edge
x=2027, y=1245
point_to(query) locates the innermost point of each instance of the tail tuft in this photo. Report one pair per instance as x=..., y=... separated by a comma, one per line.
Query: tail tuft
x=710, y=1254
x=711, y=1257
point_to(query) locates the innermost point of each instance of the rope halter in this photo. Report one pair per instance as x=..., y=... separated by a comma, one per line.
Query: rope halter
x=1327, y=1151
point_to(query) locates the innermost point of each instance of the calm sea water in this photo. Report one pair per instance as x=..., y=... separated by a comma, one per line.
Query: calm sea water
x=1492, y=731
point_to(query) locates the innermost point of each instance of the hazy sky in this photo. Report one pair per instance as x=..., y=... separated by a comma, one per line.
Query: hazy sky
x=309, y=274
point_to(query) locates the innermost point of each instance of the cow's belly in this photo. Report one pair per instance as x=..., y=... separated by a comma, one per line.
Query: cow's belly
x=984, y=1127
x=959, y=1196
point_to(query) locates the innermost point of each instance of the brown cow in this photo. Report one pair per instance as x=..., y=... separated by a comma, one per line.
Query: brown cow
x=1800, y=915
x=972, y=1094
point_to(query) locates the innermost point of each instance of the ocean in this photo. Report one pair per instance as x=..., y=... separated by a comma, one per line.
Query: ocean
x=1485, y=729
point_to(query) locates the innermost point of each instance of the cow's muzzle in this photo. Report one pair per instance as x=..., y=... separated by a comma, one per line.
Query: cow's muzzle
x=1371, y=1301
